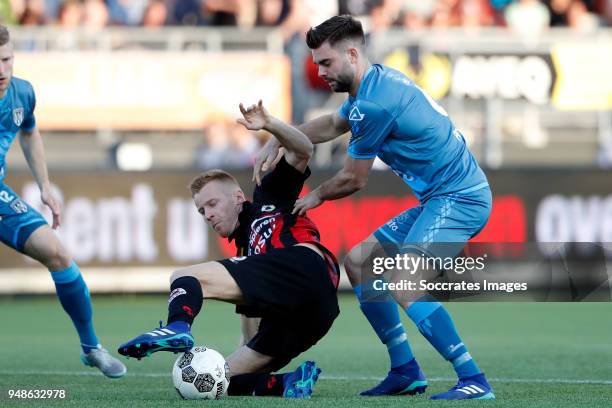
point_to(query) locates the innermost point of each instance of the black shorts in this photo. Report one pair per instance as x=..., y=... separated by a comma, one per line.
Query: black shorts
x=291, y=290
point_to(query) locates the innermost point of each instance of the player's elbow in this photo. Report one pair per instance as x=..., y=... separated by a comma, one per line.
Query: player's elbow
x=305, y=152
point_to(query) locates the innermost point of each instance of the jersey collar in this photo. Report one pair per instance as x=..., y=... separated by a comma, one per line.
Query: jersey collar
x=365, y=78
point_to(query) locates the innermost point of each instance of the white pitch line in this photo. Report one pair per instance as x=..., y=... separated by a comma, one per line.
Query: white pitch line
x=506, y=380
x=328, y=377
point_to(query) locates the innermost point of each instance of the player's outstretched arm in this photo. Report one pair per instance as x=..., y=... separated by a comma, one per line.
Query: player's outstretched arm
x=353, y=177
x=32, y=145
x=298, y=147
x=325, y=128
x=318, y=130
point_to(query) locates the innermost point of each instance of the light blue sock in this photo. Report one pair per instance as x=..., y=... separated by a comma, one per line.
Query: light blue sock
x=384, y=318
x=74, y=297
x=437, y=326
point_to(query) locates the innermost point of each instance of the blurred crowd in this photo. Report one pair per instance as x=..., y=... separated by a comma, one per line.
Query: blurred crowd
x=297, y=15
x=226, y=145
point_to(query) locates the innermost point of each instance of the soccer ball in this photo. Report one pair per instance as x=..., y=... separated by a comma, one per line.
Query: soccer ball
x=201, y=373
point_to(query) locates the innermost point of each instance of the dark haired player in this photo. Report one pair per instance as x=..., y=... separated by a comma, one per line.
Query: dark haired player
x=282, y=273
x=390, y=117
x=24, y=229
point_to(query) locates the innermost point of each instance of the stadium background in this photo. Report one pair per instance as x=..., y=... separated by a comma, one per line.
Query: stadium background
x=136, y=97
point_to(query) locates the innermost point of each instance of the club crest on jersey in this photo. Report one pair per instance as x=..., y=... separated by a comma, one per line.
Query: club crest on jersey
x=18, y=116
x=355, y=115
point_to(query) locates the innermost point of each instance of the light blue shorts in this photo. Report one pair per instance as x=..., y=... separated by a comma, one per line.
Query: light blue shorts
x=445, y=222
x=17, y=219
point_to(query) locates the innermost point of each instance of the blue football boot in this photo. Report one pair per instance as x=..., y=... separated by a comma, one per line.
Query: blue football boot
x=175, y=337
x=300, y=383
x=407, y=379
x=476, y=387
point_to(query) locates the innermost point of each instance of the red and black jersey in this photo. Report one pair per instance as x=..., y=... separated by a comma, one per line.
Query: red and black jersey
x=266, y=223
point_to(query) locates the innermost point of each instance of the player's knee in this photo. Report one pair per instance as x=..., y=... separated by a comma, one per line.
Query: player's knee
x=188, y=272
x=179, y=273
x=57, y=257
x=353, y=261
x=44, y=246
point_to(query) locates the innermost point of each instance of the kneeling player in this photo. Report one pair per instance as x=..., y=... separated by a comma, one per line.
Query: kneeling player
x=286, y=276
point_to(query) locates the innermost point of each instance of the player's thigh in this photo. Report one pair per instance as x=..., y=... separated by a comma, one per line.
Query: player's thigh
x=391, y=235
x=248, y=328
x=246, y=360
x=45, y=246
x=441, y=230
x=285, y=339
x=359, y=257
x=216, y=281
x=18, y=221
x=385, y=241
x=281, y=281
x=385, y=238
x=447, y=222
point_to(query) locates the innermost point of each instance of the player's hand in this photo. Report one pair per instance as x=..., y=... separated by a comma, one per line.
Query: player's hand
x=311, y=200
x=47, y=198
x=255, y=117
x=266, y=159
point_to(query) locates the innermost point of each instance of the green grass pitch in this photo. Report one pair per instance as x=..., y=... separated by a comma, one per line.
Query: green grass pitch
x=536, y=355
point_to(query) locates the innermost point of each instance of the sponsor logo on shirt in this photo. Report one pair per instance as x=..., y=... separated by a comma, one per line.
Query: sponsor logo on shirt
x=355, y=115
x=268, y=208
x=261, y=232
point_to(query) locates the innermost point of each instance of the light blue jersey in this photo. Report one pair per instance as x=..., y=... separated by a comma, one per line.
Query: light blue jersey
x=392, y=118
x=16, y=113
x=17, y=219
